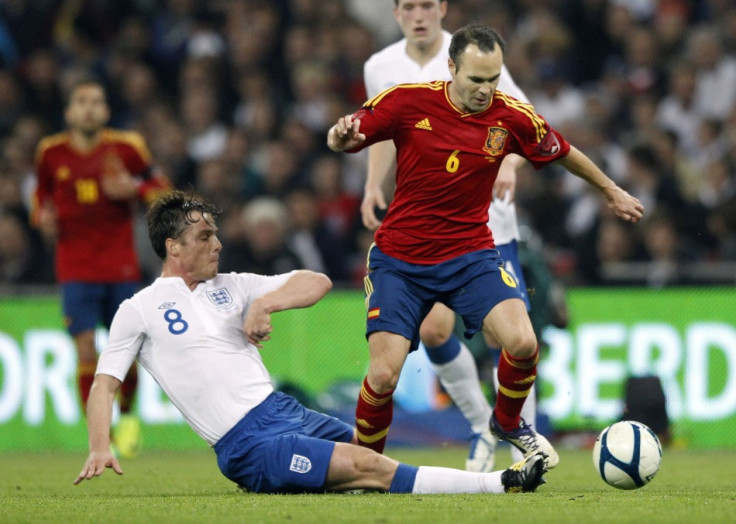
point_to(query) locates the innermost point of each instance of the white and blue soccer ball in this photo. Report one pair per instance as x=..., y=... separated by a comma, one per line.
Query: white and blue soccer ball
x=627, y=454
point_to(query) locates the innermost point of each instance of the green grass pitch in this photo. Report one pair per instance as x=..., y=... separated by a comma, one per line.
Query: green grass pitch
x=691, y=486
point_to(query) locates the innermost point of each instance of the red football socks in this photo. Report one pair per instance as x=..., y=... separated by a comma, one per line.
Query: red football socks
x=515, y=380
x=373, y=416
x=85, y=377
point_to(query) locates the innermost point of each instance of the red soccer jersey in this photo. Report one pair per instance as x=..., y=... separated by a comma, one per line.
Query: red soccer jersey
x=95, y=234
x=447, y=162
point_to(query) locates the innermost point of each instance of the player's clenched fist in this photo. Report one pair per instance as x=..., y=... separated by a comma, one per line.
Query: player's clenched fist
x=345, y=134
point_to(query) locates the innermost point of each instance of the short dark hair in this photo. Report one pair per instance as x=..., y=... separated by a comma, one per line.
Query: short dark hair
x=396, y=2
x=84, y=80
x=483, y=36
x=170, y=215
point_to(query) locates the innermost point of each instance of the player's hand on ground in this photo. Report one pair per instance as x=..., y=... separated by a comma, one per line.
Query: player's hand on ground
x=96, y=464
x=257, y=326
x=624, y=205
x=345, y=134
x=372, y=198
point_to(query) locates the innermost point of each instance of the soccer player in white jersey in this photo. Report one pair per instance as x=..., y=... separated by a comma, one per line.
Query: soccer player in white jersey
x=421, y=56
x=198, y=333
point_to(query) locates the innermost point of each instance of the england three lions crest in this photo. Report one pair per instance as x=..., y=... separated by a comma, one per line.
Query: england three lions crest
x=495, y=141
x=220, y=297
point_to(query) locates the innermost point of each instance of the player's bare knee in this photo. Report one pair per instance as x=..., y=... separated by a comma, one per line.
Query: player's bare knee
x=434, y=335
x=522, y=346
x=383, y=379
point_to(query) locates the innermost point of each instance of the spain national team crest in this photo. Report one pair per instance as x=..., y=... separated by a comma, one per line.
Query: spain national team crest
x=220, y=297
x=495, y=141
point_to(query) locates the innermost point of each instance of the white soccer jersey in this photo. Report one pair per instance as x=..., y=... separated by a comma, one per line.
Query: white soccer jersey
x=192, y=343
x=392, y=66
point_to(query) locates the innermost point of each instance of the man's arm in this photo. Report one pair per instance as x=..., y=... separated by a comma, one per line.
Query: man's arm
x=345, y=134
x=381, y=162
x=303, y=289
x=619, y=201
x=99, y=415
x=506, y=178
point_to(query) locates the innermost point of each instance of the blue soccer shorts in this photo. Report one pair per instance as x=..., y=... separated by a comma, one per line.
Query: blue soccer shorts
x=400, y=294
x=281, y=447
x=510, y=255
x=85, y=305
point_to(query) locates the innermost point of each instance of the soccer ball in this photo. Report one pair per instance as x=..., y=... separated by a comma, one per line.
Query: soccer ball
x=627, y=454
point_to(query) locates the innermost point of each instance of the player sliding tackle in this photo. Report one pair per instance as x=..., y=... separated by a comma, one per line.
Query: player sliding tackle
x=197, y=332
x=434, y=244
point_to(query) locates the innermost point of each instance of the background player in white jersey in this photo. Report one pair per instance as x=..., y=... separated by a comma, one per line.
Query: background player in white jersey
x=198, y=332
x=421, y=56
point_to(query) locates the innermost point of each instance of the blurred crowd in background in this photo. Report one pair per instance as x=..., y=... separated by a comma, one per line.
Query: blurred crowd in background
x=234, y=98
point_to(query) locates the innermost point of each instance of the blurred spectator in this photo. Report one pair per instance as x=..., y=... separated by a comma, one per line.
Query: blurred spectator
x=722, y=226
x=12, y=103
x=310, y=81
x=207, y=134
x=169, y=146
x=711, y=143
x=672, y=159
x=648, y=182
x=255, y=110
x=719, y=183
x=22, y=257
x=41, y=88
x=278, y=168
x=338, y=210
x=715, y=89
x=678, y=110
x=555, y=98
x=643, y=66
x=219, y=183
x=312, y=240
x=665, y=250
x=263, y=248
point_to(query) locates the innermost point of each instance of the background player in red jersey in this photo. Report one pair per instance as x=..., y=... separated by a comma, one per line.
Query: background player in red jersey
x=434, y=244
x=88, y=179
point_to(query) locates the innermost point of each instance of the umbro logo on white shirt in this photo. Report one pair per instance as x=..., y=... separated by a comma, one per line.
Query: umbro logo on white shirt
x=167, y=305
x=423, y=124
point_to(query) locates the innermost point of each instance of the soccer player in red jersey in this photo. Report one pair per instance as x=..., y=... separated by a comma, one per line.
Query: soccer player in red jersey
x=434, y=244
x=88, y=179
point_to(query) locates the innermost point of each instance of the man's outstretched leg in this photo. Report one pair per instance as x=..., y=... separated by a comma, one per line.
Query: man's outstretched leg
x=355, y=468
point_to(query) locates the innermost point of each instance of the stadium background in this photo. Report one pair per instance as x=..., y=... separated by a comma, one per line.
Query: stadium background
x=234, y=99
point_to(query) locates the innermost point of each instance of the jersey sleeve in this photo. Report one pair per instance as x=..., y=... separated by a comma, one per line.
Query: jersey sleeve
x=378, y=117
x=254, y=286
x=539, y=143
x=127, y=334
x=138, y=161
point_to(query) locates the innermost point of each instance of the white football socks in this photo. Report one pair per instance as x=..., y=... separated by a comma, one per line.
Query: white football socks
x=460, y=379
x=431, y=479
